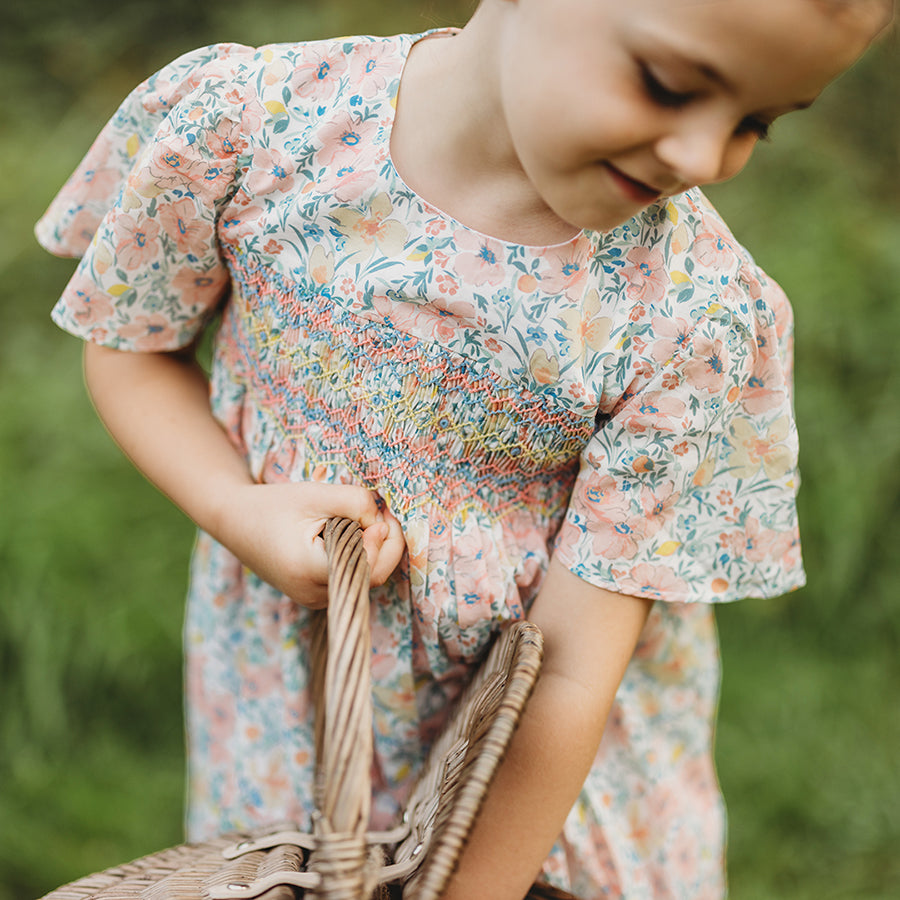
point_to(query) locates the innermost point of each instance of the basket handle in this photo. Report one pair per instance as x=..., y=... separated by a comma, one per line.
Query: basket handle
x=342, y=689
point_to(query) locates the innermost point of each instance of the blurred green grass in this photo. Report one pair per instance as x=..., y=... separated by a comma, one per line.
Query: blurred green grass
x=93, y=562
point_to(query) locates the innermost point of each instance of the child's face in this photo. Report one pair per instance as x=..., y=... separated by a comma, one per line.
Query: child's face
x=611, y=104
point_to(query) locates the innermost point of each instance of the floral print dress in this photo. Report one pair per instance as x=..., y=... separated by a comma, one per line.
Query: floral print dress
x=621, y=400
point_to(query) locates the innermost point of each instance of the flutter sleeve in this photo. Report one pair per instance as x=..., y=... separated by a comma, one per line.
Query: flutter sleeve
x=142, y=207
x=687, y=490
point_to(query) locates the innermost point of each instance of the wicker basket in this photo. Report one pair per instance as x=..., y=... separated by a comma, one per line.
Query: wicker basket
x=340, y=860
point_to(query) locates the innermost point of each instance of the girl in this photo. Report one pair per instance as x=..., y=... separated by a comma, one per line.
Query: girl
x=472, y=297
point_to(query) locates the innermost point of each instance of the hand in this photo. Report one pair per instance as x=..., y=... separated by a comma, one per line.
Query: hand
x=275, y=530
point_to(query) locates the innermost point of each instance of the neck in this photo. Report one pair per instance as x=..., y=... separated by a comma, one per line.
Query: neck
x=450, y=141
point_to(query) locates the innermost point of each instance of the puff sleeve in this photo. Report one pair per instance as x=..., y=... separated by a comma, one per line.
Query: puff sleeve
x=686, y=491
x=144, y=204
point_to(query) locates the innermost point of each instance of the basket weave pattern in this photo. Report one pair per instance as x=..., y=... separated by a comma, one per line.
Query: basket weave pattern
x=340, y=860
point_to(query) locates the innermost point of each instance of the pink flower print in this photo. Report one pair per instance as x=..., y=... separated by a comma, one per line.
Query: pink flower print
x=656, y=410
x=670, y=381
x=475, y=595
x=365, y=232
x=99, y=182
x=95, y=178
x=346, y=183
x=270, y=170
x=171, y=165
x=259, y=681
x=732, y=542
x=435, y=226
x=765, y=388
x=342, y=140
x=642, y=369
x=371, y=67
x=615, y=539
x=86, y=303
x=606, y=511
x=181, y=223
x=656, y=582
x=139, y=241
x=447, y=284
x=673, y=335
x=637, y=312
x=196, y=286
x=318, y=75
x=219, y=712
x=786, y=548
x=601, y=492
x=412, y=318
x=754, y=451
x=243, y=223
x=447, y=308
x=706, y=368
x=253, y=115
x=658, y=506
x=84, y=224
x=227, y=141
x=150, y=333
x=758, y=541
x=482, y=261
x=714, y=249
x=646, y=276
x=564, y=270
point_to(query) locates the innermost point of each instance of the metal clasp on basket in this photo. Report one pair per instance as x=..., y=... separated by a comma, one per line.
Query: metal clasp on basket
x=234, y=890
x=306, y=841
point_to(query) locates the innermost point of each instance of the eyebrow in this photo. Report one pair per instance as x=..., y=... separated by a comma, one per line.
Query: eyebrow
x=712, y=74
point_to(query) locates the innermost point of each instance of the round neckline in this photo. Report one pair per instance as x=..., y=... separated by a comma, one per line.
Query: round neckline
x=426, y=204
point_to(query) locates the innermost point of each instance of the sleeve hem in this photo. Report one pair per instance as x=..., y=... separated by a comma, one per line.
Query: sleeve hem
x=707, y=594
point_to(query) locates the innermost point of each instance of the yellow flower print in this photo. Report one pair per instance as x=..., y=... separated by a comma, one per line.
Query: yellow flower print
x=371, y=229
x=544, y=369
x=321, y=265
x=584, y=328
x=754, y=451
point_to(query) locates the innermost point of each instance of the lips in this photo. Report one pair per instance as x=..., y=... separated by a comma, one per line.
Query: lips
x=633, y=189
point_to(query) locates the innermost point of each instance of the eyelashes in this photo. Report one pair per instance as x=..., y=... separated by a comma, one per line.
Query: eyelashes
x=760, y=128
x=662, y=95
x=668, y=98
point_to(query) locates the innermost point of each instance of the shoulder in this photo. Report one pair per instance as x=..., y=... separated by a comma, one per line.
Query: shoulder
x=716, y=260
x=317, y=70
x=682, y=260
x=162, y=91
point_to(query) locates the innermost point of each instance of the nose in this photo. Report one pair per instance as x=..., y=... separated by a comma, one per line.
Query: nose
x=703, y=154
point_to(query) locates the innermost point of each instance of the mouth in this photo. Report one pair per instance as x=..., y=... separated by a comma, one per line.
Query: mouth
x=635, y=190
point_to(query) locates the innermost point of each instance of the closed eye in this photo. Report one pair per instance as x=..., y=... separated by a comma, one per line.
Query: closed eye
x=660, y=94
x=755, y=126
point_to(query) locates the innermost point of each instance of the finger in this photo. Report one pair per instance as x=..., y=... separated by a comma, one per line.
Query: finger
x=373, y=537
x=390, y=551
x=345, y=500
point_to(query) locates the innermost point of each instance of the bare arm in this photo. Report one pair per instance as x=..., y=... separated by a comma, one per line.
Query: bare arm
x=156, y=406
x=589, y=637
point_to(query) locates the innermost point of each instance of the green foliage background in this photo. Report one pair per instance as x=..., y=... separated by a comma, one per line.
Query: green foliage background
x=93, y=560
